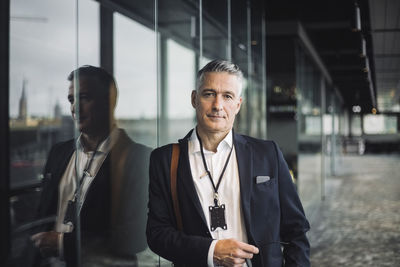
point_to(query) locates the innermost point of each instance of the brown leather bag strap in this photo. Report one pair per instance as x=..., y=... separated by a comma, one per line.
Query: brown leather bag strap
x=174, y=192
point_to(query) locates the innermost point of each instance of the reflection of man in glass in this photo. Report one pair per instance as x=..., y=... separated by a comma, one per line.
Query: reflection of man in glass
x=236, y=197
x=102, y=176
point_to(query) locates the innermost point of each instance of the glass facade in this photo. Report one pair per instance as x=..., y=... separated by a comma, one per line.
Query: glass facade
x=310, y=83
x=306, y=116
x=153, y=49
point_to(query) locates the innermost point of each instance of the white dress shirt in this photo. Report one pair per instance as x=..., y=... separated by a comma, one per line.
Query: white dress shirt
x=68, y=182
x=228, y=191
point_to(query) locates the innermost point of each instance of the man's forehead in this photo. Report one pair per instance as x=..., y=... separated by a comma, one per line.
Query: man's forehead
x=219, y=75
x=220, y=81
x=84, y=85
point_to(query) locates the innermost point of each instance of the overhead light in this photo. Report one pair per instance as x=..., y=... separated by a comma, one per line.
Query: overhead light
x=242, y=47
x=356, y=109
x=357, y=18
x=366, y=67
x=369, y=78
x=192, y=26
x=277, y=89
x=363, y=47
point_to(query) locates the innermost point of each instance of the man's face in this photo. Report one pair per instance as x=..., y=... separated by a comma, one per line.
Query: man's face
x=217, y=102
x=93, y=109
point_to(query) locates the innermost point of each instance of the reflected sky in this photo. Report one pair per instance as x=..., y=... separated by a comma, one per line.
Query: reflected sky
x=43, y=51
x=44, y=48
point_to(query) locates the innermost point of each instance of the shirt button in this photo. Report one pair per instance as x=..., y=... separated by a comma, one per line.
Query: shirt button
x=207, y=232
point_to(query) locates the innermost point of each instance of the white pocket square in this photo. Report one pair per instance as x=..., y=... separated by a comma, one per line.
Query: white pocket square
x=262, y=179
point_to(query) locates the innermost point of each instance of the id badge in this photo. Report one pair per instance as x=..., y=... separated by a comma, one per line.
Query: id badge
x=70, y=214
x=217, y=217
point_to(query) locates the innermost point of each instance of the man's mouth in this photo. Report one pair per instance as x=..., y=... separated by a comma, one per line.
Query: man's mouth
x=79, y=119
x=215, y=116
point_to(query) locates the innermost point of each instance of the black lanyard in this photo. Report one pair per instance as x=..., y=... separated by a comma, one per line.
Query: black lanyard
x=208, y=172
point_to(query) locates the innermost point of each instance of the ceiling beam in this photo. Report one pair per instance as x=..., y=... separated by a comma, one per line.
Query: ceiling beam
x=387, y=70
x=339, y=52
x=386, y=30
x=386, y=55
x=328, y=25
x=346, y=67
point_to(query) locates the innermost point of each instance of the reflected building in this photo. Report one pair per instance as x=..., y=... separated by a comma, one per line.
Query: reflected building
x=23, y=105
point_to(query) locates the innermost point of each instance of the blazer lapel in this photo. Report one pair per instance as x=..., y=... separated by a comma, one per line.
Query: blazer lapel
x=56, y=170
x=185, y=176
x=244, y=158
x=61, y=161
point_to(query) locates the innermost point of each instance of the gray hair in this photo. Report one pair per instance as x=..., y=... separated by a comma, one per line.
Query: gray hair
x=219, y=65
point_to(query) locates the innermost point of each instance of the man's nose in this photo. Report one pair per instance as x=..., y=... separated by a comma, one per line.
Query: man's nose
x=217, y=104
x=74, y=108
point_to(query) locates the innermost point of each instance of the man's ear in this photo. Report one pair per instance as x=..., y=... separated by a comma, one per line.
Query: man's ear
x=194, y=96
x=239, y=104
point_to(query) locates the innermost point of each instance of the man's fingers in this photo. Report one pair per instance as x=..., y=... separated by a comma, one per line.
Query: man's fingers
x=232, y=261
x=239, y=253
x=248, y=248
x=231, y=252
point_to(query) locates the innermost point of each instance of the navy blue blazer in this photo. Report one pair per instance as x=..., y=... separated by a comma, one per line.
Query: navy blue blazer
x=273, y=214
x=121, y=225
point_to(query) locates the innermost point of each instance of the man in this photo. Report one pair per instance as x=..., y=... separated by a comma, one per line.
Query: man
x=99, y=177
x=236, y=197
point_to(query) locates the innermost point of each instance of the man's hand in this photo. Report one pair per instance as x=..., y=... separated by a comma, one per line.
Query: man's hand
x=47, y=242
x=230, y=252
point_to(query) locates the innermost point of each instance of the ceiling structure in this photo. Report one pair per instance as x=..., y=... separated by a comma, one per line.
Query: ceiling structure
x=364, y=63
x=385, y=30
x=345, y=49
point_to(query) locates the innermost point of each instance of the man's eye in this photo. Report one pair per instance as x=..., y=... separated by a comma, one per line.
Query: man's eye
x=208, y=94
x=84, y=98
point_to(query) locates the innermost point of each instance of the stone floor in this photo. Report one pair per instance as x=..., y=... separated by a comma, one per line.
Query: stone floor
x=358, y=223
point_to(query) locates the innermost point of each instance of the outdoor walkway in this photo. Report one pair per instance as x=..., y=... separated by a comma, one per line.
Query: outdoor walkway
x=358, y=224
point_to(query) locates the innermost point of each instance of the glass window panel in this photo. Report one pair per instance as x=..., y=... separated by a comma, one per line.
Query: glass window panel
x=215, y=29
x=135, y=67
x=135, y=72
x=309, y=128
x=89, y=33
x=240, y=50
x=258, y=96
x=181, y=82
x=43, y=51
x=380, y=124
x=179, y=59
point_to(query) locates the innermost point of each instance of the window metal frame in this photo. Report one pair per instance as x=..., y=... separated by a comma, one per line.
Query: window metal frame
x=4, y=131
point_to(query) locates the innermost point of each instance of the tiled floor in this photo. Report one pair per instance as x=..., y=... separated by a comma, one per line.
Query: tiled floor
x=358, y=224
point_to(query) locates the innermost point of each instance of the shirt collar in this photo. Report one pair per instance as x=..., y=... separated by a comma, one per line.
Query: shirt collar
x=106, y=145
x=195, y=147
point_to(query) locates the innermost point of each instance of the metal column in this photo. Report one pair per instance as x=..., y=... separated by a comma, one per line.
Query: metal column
x=4, y=131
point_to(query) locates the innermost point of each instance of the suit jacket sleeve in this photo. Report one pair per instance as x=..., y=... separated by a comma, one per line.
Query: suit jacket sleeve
x=162, y=235
x=294, y=225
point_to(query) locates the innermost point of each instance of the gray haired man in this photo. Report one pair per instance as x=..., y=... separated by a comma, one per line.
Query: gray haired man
x=237, y=201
